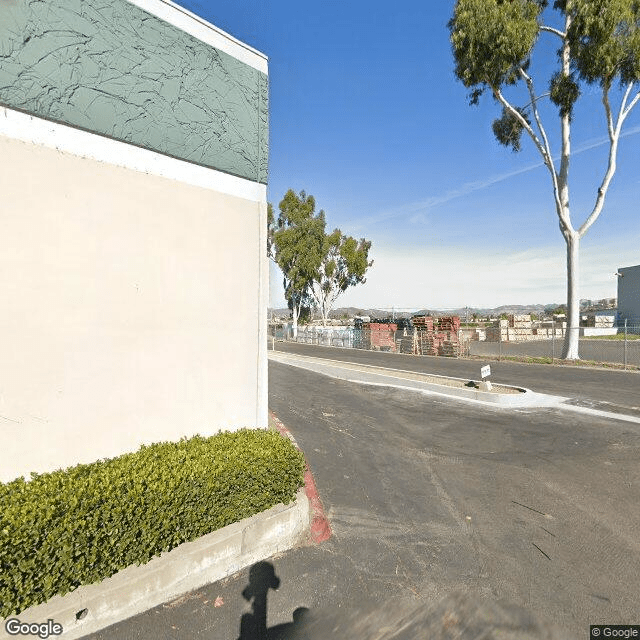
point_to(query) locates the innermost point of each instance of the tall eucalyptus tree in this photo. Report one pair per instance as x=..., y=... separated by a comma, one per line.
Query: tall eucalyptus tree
x=296, y=240
x=598, y=42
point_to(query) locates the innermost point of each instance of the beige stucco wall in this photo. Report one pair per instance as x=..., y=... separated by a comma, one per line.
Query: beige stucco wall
x=133, y=309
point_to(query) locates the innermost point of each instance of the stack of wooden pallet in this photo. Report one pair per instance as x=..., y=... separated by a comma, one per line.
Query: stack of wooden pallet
x=409, y=342
x=449, y=348
x=449, y=323
x=433, y=337
x=424, y=323
x=424, y=343
x=429, y=343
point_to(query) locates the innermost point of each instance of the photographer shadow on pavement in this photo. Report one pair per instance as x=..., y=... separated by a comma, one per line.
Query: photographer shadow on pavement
x=253, y=626
x=466, y=616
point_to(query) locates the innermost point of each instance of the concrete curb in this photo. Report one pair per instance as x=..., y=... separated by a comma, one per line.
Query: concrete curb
x=174, y=573
x=369, y=374
x=320, y=525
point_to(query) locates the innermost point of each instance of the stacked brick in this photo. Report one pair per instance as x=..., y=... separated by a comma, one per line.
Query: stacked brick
x=379, y=336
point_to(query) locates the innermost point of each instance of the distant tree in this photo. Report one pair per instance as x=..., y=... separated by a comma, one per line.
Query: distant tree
x=271, y=229
x=296, y=244
x=344, y=264
x=317, y=266
x=493, y=46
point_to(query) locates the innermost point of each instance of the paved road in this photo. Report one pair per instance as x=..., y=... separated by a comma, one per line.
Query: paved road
x=429, y=496
x=591, y=386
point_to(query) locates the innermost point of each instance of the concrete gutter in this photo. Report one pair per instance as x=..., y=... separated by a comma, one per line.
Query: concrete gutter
x=181, y=570
x=368, y=374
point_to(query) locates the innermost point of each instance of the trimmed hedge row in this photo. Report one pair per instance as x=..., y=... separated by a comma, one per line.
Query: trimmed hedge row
x=80, y=525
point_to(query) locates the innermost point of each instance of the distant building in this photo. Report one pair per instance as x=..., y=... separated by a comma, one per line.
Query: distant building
x=629, y=294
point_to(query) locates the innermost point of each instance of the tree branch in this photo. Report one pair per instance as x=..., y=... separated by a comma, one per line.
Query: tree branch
x=625, y=110
x=560, y=34
x=607, y=111
x=534, y=100
x=547, y=155
x=548, y=161
x=614, y=137
x=519, y=117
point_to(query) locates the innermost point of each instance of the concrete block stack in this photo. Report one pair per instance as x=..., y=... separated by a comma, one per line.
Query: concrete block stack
x=519, y=329
x=601, y=322
x=516, y=328
x=546, y=330
x=498, y=332
x=478, y=335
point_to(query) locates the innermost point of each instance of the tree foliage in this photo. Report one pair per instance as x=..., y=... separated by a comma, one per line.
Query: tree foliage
x=508, y=128
x=344, y=264
x=317, y=266
x=605, y=40
x=494, y=43
x=297, y=241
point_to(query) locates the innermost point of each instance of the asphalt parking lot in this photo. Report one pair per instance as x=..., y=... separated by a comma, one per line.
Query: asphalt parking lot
x=430, y=497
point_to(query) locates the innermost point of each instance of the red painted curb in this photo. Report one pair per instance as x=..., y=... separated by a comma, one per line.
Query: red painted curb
x=320, y=527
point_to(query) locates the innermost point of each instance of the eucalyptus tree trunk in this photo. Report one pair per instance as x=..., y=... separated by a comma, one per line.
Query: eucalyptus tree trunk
x=295, y=313
x=570, y=349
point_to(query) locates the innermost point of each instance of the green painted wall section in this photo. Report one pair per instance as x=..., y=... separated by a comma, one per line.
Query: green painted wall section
x=111, y=68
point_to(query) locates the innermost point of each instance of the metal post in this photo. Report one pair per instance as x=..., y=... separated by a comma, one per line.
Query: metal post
x=625, y=343
x=553, y=341
x=500, y=341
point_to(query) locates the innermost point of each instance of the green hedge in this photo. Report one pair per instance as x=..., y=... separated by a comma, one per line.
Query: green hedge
x=80, y=525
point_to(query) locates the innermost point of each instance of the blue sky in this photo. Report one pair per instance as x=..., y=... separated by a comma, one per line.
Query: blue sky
x=366, y=115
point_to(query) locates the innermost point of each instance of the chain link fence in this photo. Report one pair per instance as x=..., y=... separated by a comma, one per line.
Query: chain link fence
x=619, y=344
x=407, y=340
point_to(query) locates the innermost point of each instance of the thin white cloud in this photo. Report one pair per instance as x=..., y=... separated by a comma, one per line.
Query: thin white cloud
x=421, y=207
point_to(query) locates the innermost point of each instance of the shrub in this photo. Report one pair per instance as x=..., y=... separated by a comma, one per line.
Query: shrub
x=80, y=525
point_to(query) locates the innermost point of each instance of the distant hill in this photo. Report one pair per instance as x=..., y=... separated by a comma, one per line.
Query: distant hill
x=518, y=309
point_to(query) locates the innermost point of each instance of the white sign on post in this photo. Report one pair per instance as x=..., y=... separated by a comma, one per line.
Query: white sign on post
x=485, y=371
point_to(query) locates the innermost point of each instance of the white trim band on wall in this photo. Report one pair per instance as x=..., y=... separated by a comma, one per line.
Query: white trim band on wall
x=28, y=128
x=203, y=30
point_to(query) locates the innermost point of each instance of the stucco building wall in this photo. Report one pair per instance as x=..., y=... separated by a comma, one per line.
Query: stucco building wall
x=133, y=282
